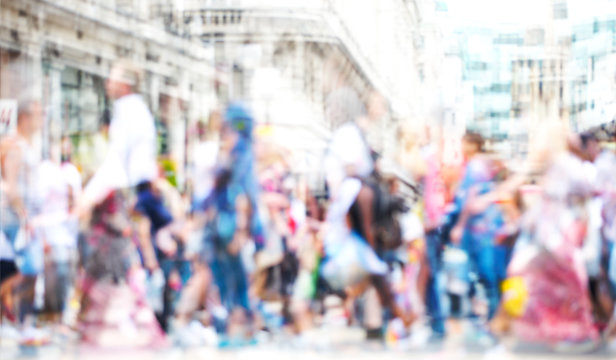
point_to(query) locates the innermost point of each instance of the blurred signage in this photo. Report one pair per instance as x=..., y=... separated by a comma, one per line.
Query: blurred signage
x=265, y=130
x=8, y=115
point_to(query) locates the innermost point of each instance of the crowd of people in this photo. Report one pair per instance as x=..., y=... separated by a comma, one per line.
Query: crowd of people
x=249, y=250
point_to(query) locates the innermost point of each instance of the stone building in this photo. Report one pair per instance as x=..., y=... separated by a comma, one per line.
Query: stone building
x=284, y=57
x=60, y=51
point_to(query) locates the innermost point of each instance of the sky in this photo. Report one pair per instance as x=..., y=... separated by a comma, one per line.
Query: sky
x=522, y=13
x=496, y=12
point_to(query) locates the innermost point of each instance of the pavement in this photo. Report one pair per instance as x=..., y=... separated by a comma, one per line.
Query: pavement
x=334, y=341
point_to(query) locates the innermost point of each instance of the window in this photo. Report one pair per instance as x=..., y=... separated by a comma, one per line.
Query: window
x=83, y=101
x=500, y=88
x=560, y=11
x=478, y=66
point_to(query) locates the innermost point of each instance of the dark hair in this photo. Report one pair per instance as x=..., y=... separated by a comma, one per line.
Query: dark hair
x=474, y=138
x=586, y=138
x=144, y=186
x=105, y=119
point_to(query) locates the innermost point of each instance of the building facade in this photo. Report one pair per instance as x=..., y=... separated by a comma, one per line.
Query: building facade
x=560, y=64
x=61, y=51
x=284, y=58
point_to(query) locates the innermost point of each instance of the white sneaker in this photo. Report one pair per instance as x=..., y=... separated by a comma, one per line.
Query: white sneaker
x=32, y=336
x=8, y=331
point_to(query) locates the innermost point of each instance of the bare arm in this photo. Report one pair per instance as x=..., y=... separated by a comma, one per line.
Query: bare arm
x=479, y=203
x=365, y=199
x=145, y=243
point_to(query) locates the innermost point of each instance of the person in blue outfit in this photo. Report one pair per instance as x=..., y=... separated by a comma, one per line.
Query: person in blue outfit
x=478, y=223
x=233, y=221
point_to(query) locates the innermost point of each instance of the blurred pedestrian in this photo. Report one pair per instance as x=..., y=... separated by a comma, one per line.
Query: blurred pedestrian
x=421, y=158
x=600, y=167
x=113, y=280
x=20, y=207
x=355, y=197
x=547, y=288
x=477, y=225
x=59, y=187
x=232, y=221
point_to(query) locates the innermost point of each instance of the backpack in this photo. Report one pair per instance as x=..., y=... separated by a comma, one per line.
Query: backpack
x=387, y=207
x=387, y=229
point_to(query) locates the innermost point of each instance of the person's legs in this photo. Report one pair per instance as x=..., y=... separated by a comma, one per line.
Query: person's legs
x=240, y=283
x=162, y=317
x=502, y=256
x=220, y=276
x=488, y=277
x=7, y=269
x=239, y=324
x=432, y=299
x=612, y=269
x=185, y=271
x=52, y=283
x=386, y=297
x=193, y=294
x=24, y=291
x=30, y=263
x=372, y=314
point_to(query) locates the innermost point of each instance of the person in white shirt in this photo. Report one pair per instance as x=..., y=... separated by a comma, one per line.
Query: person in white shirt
x=131, y=155
x=109, y=257
x=348, y=162
x=348, y=153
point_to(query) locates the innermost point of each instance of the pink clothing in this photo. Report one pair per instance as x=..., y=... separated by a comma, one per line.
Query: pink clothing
x=434, y=187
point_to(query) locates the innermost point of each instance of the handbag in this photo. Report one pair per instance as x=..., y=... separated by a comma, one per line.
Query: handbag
x=29, y=253
x=351, y=262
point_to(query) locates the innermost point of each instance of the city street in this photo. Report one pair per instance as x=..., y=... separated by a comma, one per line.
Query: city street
x=307, y=179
